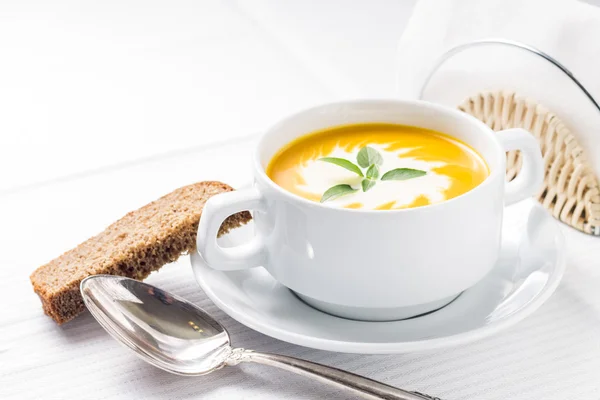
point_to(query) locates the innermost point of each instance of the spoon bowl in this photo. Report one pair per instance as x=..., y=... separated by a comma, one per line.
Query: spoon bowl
x=165, y=330
x=173, y=334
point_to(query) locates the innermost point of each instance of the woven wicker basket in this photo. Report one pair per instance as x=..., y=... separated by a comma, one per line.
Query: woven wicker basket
x=571, y=191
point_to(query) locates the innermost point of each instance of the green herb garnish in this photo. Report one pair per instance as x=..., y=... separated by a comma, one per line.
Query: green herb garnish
x=342, y=162
x=337, y=191
x=368, y=158
x=373, y=172
x=402, y=174
x=367, y=184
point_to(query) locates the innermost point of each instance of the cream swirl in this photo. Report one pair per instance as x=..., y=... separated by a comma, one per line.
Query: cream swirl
x=318, y=176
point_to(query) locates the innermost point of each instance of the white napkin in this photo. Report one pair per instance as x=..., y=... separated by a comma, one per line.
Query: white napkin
x=568, y=30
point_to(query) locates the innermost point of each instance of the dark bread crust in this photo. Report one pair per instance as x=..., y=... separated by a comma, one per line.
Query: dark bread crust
x=139, y=243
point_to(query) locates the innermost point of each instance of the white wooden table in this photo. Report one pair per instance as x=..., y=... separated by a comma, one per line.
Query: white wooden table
x=105, y=107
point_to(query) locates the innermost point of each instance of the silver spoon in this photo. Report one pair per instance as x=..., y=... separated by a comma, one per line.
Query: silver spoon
x=175, y=335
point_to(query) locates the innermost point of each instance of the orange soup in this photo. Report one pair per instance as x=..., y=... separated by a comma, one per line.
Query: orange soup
x=377, y=166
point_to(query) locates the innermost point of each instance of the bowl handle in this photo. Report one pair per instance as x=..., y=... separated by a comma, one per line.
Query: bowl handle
x=216, y=210
x=531, y=176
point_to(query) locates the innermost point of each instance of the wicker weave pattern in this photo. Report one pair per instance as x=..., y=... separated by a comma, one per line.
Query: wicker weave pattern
x=571, y=191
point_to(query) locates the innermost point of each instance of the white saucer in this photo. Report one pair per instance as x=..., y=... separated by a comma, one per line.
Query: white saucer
x=529, y=270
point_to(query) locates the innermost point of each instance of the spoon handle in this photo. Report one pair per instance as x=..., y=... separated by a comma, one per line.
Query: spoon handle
x=364, y=387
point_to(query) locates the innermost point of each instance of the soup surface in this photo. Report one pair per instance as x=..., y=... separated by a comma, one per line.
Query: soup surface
x=425, y=167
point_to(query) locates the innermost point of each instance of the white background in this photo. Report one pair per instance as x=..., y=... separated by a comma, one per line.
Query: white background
x=89, y=84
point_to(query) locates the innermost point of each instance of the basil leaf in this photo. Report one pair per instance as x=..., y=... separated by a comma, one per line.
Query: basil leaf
x=343, y=163
x=373, y=172
x=368, y=156
x=402, y=174
x=337, y=191
x=367, y=184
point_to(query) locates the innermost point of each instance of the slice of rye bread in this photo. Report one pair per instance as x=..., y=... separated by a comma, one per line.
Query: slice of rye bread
x=139, y=243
